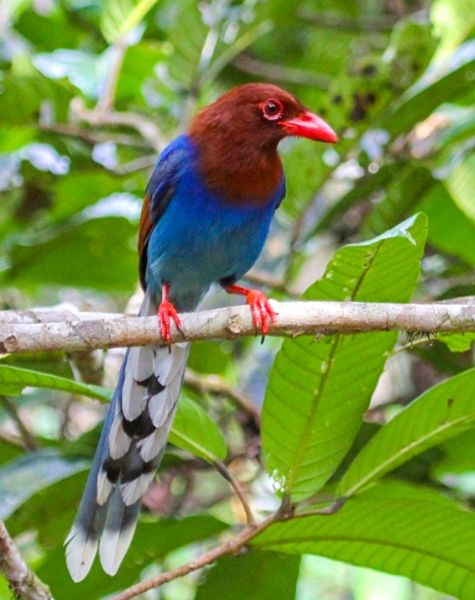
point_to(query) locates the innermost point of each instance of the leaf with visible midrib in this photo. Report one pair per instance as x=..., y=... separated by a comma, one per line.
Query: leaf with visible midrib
x=439, y=414
x=192, y=429
x=319, y=389
x=431, y=542
x=119, y=17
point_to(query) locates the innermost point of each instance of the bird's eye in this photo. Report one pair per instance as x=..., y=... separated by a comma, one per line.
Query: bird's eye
x=272, y=109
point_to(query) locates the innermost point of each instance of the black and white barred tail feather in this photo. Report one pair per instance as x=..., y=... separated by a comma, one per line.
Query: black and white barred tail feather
x=131, y=445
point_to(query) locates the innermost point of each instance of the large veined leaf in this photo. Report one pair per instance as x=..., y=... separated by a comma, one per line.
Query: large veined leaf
x=256, y=575
x=192, y=429
x=426, y=539
x=440, y=413
x=119, y=17
x=319, y=389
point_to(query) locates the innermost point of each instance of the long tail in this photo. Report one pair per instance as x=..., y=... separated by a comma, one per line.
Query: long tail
x=132, y=442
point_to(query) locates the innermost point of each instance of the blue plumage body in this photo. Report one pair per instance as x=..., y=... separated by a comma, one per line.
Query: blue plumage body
x=200, y=238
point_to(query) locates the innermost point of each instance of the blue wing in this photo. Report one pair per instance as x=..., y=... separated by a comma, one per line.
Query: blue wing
x=159, y=192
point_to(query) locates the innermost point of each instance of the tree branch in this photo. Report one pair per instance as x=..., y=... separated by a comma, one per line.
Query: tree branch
x=23, y=582
x=229, y=547
x=90, y=331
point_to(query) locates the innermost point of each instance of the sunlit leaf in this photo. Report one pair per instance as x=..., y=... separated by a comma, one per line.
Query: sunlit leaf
x=195, y=431
x=319, y=389
x=442, y=412
x=426, y=539
x=119, y=17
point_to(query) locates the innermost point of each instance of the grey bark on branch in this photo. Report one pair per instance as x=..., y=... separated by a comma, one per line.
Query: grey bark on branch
x=22, y=581
x=88, y=331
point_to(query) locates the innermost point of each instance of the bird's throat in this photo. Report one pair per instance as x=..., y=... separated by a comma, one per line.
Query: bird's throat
x=240, y=172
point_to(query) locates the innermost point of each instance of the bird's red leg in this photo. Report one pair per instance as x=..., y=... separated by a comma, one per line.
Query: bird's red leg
x=167, y=312
x=262, y=311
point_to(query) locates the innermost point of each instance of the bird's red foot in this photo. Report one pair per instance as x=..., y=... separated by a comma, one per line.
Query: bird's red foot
x=262, y=312
x=167, y=313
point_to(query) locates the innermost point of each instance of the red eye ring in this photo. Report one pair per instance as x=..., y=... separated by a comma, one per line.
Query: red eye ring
x=272, y=109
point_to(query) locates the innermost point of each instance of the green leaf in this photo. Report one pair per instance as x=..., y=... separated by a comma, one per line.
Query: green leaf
x=9, y=451
x=458, y=239
x=453, y=22
x=440, y=413
x=24, y=476
x=402, y=195
x=461, y=184
x=57, y=504
x=152, y=541
x=459, y=456
x=16, y=377
x=90, y=260
x=119, y=17
x=430, y=92
x=256, y=575
x=192, y=429
x=427, y=540
x=458, y=342
x=22, y=97
x=319, y=389
x=362, y=189
x=195, y=431
x=187, y=36
x=76, y=191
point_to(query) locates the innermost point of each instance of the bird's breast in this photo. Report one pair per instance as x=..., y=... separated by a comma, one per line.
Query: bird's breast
x=202, y=239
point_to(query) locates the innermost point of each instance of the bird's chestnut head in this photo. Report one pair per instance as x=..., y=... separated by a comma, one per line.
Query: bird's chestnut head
x=263, y=114
x=237, y=138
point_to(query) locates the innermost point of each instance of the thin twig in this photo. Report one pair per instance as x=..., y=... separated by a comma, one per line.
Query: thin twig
x=138, y=164
x=326, y=511
x=224, y=471
x=293, y=319
x=27, y=437
x=333, y=21
x=146, y=128
x=14, y=440
x=22, y=581
x=231, y=546
x=254, y=66
x=93, y=137
x=212, y=384
x=107, y=100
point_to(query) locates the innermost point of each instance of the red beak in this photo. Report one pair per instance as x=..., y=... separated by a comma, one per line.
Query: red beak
x=310, y=126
